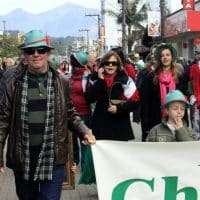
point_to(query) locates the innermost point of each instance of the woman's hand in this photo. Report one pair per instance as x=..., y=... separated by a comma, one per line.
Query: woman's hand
x=100, y=73
x=112, y=109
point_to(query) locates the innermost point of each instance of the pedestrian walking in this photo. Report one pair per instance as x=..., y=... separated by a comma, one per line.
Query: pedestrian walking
x=35, y=110
x=78, y=81
x=194, y=71
x=116, y=96
x=166, y=75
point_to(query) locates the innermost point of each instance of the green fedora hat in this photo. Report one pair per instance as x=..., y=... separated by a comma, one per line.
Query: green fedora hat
x=81, y=57
x=36, y=38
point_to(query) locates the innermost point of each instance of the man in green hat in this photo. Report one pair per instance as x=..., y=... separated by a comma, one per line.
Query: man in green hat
x=172, y=128
x=35, y=110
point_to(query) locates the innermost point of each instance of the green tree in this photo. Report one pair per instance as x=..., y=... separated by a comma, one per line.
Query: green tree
x=9, y=46
x=134, y=20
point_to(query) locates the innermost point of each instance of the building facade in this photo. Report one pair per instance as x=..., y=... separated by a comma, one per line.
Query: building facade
x=182, y=29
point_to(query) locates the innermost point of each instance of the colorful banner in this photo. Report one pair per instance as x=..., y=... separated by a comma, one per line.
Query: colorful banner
x=154, y=24
x=147, y=171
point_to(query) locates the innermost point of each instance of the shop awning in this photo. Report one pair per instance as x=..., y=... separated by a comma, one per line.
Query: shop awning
x=193, y=21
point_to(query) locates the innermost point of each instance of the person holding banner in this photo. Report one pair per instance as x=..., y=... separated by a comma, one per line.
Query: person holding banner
x=172, y=128
x=116, y=96
x=35, y=113
x=166, y=75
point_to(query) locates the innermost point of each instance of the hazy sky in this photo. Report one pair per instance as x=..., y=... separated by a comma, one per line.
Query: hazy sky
x=37, y=6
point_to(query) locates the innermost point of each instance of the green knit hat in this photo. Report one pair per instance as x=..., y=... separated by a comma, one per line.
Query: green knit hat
x=81, y=57
x=36, y=38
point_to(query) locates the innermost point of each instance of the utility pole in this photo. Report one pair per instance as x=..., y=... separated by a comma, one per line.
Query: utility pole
x=124, y=37
x=4, y=27
x=101, y=27
x=4, y=34
x=102, y=12
x=162, y=15
x=87, y=32
x=102, y=34
x=98, y=21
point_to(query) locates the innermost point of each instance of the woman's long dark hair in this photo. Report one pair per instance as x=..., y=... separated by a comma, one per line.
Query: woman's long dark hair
x=177, y=69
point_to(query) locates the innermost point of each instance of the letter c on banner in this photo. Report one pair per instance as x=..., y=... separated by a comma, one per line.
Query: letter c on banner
x=120, y=190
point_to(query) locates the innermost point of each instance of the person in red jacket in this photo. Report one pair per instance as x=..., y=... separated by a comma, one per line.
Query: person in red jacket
x=78, y=81
x=195, y=97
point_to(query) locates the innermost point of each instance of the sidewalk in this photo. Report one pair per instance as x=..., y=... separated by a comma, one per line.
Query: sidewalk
x=82, y=192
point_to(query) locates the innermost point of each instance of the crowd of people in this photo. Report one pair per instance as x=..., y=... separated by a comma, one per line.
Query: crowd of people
x=92, y=97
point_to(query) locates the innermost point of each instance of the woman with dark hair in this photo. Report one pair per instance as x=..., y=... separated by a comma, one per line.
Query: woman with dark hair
x=166, y=76
x=129, y=68
x=116, y=96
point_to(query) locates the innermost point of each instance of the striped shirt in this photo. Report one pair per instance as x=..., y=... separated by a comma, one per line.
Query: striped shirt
x=37, y=105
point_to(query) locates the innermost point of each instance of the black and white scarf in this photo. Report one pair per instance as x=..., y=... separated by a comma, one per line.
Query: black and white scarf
x=45, y=162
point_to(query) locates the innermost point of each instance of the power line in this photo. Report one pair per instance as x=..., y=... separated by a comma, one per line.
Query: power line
x=98, y=21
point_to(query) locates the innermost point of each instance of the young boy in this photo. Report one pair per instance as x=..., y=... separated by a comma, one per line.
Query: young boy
x=172, y=128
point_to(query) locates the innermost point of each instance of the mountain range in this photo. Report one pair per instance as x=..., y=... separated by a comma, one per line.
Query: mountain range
x=62, y=21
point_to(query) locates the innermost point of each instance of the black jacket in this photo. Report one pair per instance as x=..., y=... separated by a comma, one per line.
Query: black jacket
x=150, y=100
x=106, y=125
x=10, y=117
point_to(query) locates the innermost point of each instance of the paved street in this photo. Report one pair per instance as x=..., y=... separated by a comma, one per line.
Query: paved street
x=82, y=192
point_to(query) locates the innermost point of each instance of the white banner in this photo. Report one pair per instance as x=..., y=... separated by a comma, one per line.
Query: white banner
x=154, y=22
x=147, y=171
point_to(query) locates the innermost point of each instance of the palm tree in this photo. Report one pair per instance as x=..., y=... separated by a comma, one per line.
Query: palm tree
x=134, y=19
x=163, y=14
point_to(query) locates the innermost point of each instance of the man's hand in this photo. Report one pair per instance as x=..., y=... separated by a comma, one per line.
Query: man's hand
x=2, y=170
x=89, y=138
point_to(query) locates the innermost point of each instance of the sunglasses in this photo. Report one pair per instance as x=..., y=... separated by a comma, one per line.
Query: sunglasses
x=31, y=51
x=113, y=63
